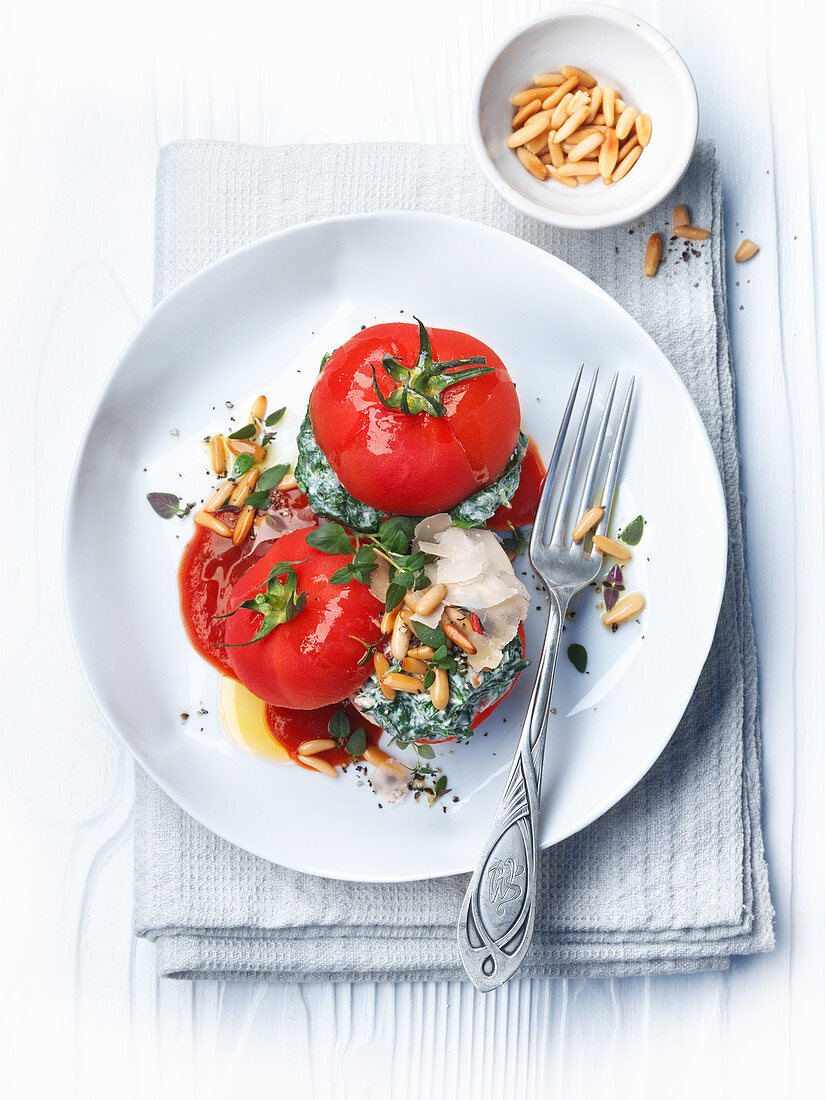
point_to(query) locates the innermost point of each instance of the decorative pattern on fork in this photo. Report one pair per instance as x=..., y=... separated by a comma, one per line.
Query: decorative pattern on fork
x=495, y=925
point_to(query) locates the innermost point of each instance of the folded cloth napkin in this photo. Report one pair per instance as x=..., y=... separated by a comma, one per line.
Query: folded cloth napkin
x=673, y=879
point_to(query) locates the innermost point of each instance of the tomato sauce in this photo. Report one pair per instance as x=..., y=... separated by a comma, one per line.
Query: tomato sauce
x=522, y=510
x=211, y=565
x=291, y=728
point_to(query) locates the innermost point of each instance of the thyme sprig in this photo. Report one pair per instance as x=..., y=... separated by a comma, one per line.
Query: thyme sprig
x=278, y=603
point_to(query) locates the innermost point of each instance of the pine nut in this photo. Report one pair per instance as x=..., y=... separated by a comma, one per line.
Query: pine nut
x=245, y=486
x=586, y=132
x=628, y=147
x=653, y=253
x=206, y=519
x=526, y=112
x=599, y=120
x=625, y=123
x=243, y=525
x=455, y=635
x=588, y=179
x=430, y=598
x=745, y=251
x=319, y=765
x=246, y=447
x=532, y=163
x=587, y=522
x=610, y=548
x=219, y=497
x=382, y=667
x=581, y=76
x=560, y=92
x=628, y=607
x=377, y=757
x=580, y=99
x=548, y=80
x=454, y=615
x=609, y=153
x=556, y=153
x=537, y=145
x=440, y=689
x=644, y=129
x=411, y=600
x=624, y=166
x=399, y=681
x=595, y=103
x=258, y=410
x=559, y=115
x=680, y=216
x=568, y=181
x=531, y=130
x=580, y=168
x=406, y=617
x=589, y=145
x=414, y=666
x=315, y=745
x=218, y=454
x=422, y=652
x=387, y=620
x=287, y=482
x=609, y=105
x=400, y=638
x=527, y=96
x=691, y=233
x=572, y=124
x=620, y=105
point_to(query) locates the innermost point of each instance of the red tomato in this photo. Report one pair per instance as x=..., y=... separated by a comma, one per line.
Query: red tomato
x=312, y=660
x=418, y=464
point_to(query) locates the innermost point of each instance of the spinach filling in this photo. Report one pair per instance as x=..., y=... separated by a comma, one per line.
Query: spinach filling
x=328, y=497
x=412, y=717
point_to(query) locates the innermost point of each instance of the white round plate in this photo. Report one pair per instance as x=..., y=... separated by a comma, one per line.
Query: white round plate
x=259, y=321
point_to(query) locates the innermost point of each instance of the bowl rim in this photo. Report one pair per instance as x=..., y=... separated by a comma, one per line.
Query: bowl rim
x=626, y=213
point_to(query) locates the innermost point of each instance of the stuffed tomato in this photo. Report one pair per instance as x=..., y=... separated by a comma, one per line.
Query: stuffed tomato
x=409, y=421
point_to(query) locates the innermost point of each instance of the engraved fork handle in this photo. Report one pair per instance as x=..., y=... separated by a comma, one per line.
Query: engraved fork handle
x=495, y=925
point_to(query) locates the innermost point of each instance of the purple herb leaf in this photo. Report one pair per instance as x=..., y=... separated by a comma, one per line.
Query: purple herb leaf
x=611, y=598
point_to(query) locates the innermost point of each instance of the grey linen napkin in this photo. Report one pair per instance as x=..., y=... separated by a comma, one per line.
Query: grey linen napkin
x=673, y=879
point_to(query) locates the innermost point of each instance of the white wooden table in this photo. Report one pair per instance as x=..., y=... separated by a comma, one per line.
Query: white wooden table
x=89, y=91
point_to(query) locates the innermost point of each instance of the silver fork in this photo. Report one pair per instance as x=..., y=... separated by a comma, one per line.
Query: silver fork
x=495, y=925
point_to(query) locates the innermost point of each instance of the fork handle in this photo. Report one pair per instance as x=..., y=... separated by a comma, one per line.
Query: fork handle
x=495, y=925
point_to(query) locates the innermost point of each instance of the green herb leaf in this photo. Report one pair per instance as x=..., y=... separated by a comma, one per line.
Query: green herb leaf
x=395, y=594
x=166, y=505
x=357, y=743
x=324, y=360
x=243, y=464
x=278, y=603
x=258, y=500
x=395, y=534
x=330, y=538
x=440, y=784
x=339, y=726
x=274, y=417
x=343, y=575
x=577, y=655
x=432, y=636
x=248, y=431
x=516, y=542
x=271, y=477
x=429, y=679
x=632, y=534
x=426, y=752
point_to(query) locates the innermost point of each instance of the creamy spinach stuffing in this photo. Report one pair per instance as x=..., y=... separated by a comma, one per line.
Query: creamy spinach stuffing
x=328, y=497
x=412, y=717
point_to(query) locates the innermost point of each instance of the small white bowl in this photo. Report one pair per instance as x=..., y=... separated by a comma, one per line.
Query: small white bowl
x=617, y=49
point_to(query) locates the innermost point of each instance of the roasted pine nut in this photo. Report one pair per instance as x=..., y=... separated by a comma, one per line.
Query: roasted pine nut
x=382, y=666
x=244, y=486
x=258, y=410
x=430, y=598
x=218, y=454
x=609, y=153
x=440, y=689
x=653, y=253
x=595, y=103
x=316, y=744
x=387, y=620
x=560, y=92
x=745, y=250
x=319, y=765
x=587, y=522
x=680, y=216
x=628, y=147
x=400, y=638
x=400, y=681
x=288, y=481
x=206, y=519
x=532, y=163
x=527, y=111
x=219, y=497
x=422, y=652
x=246, y=447
x=589, y=145
x=455, y=635
x=627, y=608
x=644, y=129
x=612, y=549
x=243, y=524
x=414, y=666
x=572, y=124
x=548, y=80
x=691, y=233
x=624, y=165
x=625, y=123
x=584, y=78
x=532, y=129
x=609, y=105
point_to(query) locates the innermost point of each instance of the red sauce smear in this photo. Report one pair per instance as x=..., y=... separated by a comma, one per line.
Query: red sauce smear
x=525, y=501
x=291, y=728
x=211, y=565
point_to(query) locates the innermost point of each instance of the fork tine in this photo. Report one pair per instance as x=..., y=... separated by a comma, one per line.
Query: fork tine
x=573, y=461
x=539, y=523
x=613, y=466
x=592, y=469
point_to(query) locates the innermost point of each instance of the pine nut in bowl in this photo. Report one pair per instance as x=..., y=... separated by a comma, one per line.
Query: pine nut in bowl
x=578, y=97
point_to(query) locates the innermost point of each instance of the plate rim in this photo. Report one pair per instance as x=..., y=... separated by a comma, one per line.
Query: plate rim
x=161, y=308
